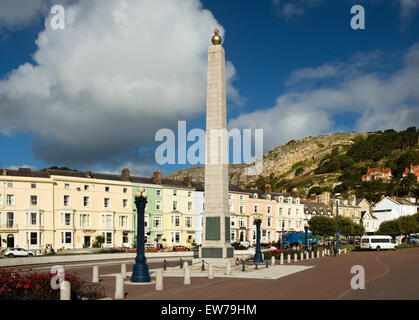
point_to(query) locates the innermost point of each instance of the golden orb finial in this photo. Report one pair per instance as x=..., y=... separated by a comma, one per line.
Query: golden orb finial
x=216, y=39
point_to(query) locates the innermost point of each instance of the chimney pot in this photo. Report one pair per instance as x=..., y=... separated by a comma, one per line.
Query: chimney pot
x=188, y=181
x=4, y=172
x=268, y=189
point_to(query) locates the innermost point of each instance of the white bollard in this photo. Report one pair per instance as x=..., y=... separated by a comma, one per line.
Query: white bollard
x=301, y=256
x=281, y=260
x=307, y=256
x=346, y=251
x=318, y=254
x=95, y=274
x=322, y=253
x=159, y=280
x=272, y=261
x=124, y=270
x=312, y=254
x=289, y=258
x=187, y=276
x=228, y=269
x=339, y=251
x=119, y=287
x=65, y=291
x=295, y=257
x=210, y=272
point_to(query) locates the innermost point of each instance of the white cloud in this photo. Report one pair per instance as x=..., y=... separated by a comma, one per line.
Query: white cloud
x=381, y=103
x=118, y=72
x=294, y=8
x=408, y=7
x=33, y=168
x=18, y=13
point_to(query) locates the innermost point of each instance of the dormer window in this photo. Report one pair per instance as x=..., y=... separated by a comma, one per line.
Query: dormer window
x=281, y=199
x=297, y=200
x=255, y=195
x=289, y=199
x=268, y=197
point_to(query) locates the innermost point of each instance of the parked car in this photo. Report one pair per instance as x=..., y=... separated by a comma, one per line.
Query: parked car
x=378, y=243
x=18, y=252
x=414, y=239
x=180, y=248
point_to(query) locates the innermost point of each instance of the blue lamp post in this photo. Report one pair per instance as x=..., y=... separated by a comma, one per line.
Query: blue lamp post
x=306, y=236
x=337, y=221
x=258, y=254
x=140, y=273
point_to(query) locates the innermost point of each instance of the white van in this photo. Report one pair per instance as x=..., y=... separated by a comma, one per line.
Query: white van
x=378, y=243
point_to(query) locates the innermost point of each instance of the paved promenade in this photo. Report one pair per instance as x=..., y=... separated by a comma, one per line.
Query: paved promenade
x=388, y=275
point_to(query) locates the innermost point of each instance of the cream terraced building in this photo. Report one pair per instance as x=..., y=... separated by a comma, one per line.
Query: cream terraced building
x=64, y=209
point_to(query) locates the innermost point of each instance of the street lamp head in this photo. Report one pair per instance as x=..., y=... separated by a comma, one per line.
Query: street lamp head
x=145, y=195
x=138, y=194
x=141, y=189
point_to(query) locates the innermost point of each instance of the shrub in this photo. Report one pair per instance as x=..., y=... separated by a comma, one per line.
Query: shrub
x=37, y=286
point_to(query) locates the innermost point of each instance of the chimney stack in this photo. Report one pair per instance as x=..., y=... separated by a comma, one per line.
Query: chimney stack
x=89, y=174
x=268, y=189
x=4, y=172
x=125, y=174
x=188, y=181
x=242, y=185
x=157, y=177
x=313, y=197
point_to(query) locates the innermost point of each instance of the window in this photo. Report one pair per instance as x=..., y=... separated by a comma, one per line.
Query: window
x=175, y=220
x=33, y=219
x=106, y=203
x=66, y=200
x=188, y=222
x=125, y=237
x=241, y=197
x=281, y=211
x=1, y=199
x=66, y=237
x=233, y=221
x=175, y=237
x=233, y=236
x=84, y=220
x=66, y=186
x=125, y=190
x=107, y=220
x=175, y=192
x=125, y=203
x=66, y=219
x=108, y=237
x=10, y=199
x=107, y=189
x=10, y=184
x=256, y=208
x=123, y=221
x=10, y=219
x=242, y=222
x=269, y=209
x=34, y=238
x=34, y=200
x=33, y=185
x=269, y=222
x=297, y=211
x=174, y=205
x=158, y=192
x=86, y=201
x=231, y=209
x=189, y=206
x=230, y=196
x=158, y=205
x=189, y=193
x=289, y=211
x=157, y=222
x=242, y=209
x=86, y=187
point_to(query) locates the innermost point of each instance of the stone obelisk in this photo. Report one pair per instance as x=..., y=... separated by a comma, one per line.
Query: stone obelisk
x=216, y=247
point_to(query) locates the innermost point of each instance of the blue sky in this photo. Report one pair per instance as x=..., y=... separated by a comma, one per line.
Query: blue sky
x=91, y=96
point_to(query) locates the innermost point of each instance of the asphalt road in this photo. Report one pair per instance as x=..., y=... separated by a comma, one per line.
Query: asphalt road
x=388, y=275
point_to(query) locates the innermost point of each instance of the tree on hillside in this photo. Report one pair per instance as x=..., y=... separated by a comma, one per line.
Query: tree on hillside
x=322, y=226
x=391, y=228
x=408, y=225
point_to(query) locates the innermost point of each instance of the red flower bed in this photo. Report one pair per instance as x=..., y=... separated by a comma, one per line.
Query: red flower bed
x=37, y=286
